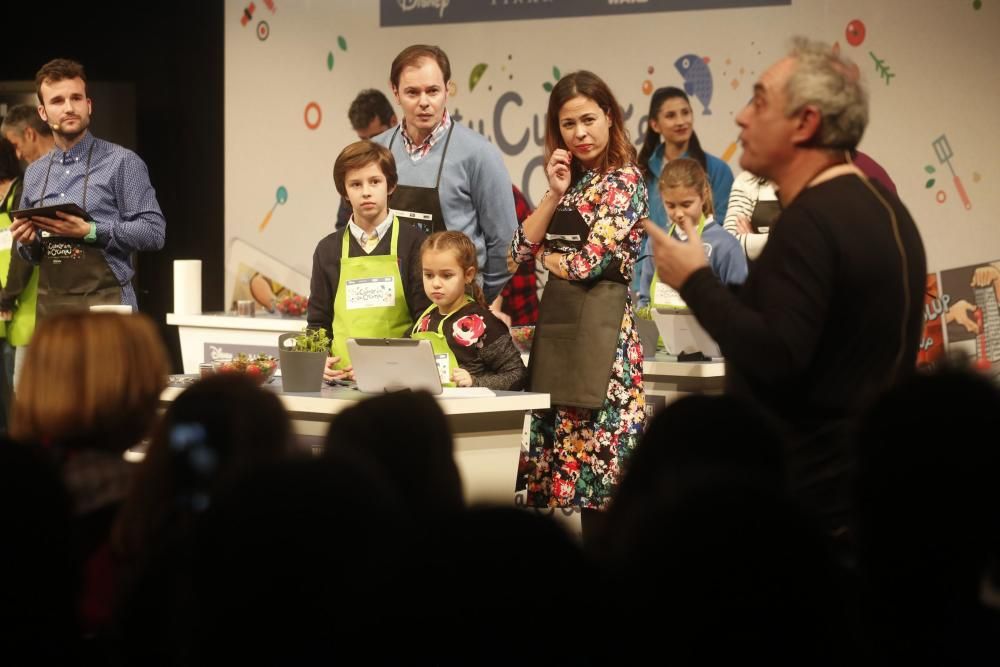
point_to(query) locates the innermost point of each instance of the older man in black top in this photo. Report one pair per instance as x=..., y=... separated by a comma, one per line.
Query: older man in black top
x=831, y=313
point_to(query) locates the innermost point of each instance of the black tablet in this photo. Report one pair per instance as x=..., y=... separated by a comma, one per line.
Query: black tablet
x=50, y=211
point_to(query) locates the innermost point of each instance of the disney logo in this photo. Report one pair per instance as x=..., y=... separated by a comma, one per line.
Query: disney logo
x=410, y=5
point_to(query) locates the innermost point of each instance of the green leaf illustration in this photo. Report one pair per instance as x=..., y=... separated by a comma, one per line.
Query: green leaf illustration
x=929, y=183
x=555, y=73
x=929, y=169
x=476, y=75
x=329, y=60
x=547, y=86
x=342, y=43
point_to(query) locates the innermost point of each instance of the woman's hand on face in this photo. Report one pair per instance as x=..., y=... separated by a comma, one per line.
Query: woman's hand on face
x=558, y=171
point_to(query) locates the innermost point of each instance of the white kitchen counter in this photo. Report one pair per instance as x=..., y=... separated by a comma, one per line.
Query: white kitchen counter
x=486, y=431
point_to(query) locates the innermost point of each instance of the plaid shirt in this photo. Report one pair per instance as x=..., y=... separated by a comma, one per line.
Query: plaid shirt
x=520, y=294
x=416, y=151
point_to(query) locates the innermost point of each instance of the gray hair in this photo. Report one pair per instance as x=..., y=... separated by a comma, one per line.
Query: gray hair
x=833, y=85
x=22, y=115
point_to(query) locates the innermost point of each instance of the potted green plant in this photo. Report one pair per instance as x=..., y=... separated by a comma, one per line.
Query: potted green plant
x=303, y=357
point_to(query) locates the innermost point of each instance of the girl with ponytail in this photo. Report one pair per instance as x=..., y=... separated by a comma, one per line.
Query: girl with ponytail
x=472, y=347
x=670, y=135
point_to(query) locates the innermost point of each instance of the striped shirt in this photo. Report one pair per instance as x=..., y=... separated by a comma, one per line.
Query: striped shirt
x=747, y=190
x=120, y=201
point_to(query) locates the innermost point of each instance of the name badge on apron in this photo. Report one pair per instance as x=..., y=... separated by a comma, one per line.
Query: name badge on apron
x=371, y=293
x=414, y=215
x=57, y=251
x=665, y=295
x=6, y=240
x=443, y=370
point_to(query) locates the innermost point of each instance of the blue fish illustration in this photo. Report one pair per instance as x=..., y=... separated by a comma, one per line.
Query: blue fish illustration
x=697, y=79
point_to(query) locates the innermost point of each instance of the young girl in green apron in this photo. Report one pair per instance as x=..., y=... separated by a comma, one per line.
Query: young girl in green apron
x=366, y=276
x=686, y=194
x=472, y=347
x=586, y=353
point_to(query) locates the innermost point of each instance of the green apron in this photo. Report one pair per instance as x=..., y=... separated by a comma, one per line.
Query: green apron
x=18, y=331
x=445, y=358
x=370, y=301
x=6, y=243
x=21, y=328
x=662, y=295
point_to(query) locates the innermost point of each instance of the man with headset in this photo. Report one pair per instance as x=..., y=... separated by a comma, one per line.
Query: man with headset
x=831, y=315
x=84, y=262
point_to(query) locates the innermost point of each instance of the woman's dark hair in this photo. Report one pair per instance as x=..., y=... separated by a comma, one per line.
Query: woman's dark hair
x=587, y=84
x=216, y=431
x=406, y=435
x=652, y=139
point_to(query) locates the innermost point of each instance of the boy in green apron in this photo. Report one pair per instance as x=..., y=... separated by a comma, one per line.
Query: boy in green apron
x=366, y=278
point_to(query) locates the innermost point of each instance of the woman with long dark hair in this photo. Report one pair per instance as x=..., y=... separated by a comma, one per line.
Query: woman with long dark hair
x=586, y=352
x=670, y=135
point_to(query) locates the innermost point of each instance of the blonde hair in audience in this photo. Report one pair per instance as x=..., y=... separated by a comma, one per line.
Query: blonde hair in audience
x=92, y=379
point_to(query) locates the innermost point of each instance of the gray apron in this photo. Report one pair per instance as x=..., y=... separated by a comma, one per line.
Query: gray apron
x=417, y=205
x=578, y=325
x=73, y=274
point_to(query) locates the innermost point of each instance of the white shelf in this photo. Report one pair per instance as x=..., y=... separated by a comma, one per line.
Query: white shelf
x=332, y=400
x=264, y=322
x=666, y=367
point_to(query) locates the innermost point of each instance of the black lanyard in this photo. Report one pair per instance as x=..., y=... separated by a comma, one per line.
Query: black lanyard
x=86, y=177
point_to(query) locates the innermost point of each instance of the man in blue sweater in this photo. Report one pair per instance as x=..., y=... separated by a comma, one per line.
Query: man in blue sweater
x=450, y=177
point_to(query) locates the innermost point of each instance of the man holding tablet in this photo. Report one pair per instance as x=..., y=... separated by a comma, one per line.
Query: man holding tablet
x=84, y=255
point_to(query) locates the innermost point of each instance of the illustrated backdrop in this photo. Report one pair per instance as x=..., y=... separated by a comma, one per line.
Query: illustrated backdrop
x=293, y=67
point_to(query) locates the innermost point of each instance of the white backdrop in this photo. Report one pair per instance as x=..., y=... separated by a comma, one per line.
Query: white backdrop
x=310, y=59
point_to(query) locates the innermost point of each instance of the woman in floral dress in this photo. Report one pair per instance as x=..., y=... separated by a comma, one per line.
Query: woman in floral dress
x=586, y=351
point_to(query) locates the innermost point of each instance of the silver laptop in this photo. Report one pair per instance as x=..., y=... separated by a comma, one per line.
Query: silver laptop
x=394, y=364
x=681, y=333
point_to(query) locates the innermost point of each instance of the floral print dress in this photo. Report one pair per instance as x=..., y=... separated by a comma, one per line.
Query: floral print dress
x=574, y=457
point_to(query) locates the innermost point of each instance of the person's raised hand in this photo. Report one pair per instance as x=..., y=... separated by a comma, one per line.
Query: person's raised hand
x=558, y=171
x=675, y=260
